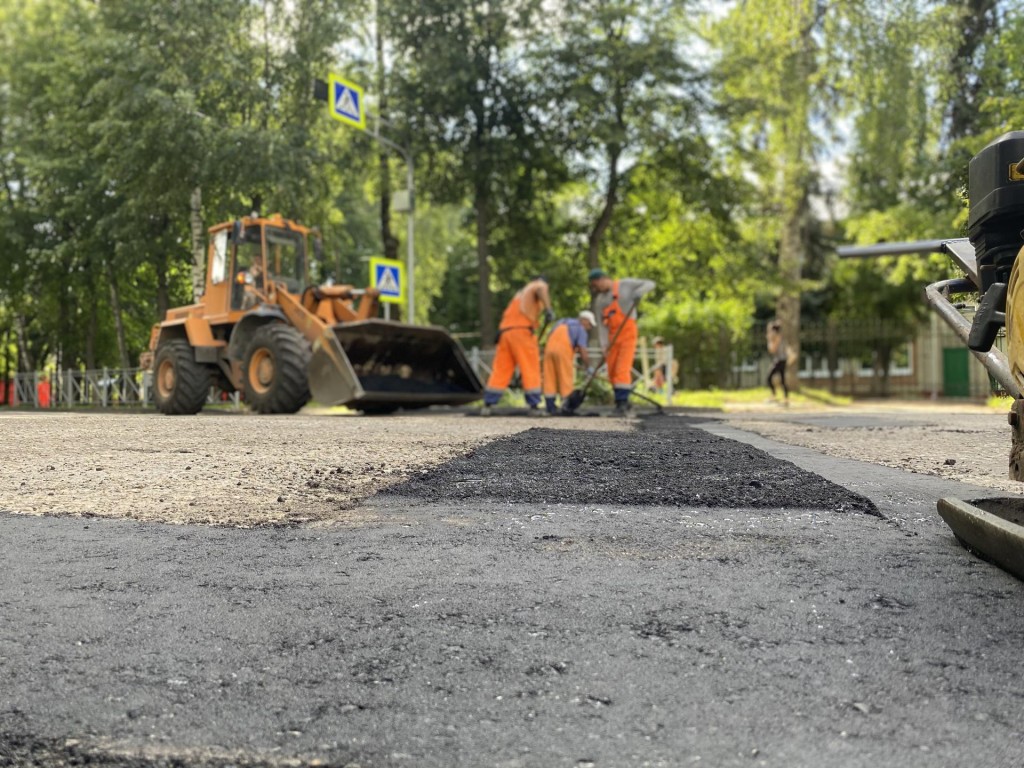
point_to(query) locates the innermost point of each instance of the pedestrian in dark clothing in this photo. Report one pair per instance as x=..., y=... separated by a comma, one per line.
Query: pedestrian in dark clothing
x=778, y=353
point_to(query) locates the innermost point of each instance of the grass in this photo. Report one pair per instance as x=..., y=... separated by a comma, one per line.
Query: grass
x=999, y=403
x=720, y=399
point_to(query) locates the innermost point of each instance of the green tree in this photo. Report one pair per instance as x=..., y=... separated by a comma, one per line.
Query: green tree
x=774, y=86
x=614, y=76
x=464, y=99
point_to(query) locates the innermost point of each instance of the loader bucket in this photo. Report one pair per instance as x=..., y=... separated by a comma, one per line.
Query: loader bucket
x=377, y=365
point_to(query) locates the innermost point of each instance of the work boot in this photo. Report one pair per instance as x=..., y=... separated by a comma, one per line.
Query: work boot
x=537, y=411
x=622, y=408
x=486, y=411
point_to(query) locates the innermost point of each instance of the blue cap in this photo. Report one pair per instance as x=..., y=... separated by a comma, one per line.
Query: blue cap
x=596, y=274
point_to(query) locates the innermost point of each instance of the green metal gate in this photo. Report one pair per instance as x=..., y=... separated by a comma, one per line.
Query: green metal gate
x=956, y=374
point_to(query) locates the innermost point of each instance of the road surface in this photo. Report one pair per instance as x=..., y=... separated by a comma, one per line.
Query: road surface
x=682, y=594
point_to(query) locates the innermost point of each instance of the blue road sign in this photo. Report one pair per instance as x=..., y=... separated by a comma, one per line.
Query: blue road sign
x=345, y=100
x=388, y=277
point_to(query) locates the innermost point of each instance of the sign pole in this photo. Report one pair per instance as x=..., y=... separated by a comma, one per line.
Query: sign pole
x=411, y=253
x=346, y=104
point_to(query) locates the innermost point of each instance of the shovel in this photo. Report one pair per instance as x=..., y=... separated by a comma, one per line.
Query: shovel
x=575, y=399
x=634, y=393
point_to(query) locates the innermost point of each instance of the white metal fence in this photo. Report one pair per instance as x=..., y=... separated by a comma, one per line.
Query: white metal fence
x=101, y=388
x=132, y=387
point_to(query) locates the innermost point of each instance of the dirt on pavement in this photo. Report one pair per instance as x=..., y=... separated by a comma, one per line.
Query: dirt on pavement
x=956, y=441
x=231, y=469
x=245, y=470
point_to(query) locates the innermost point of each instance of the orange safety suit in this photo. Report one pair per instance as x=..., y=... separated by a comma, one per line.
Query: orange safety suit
x=559, y=376
x=517, y=348
x=622, y=343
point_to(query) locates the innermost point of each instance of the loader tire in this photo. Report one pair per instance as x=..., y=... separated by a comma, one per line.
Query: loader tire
x=274, y=371
x=180, y=384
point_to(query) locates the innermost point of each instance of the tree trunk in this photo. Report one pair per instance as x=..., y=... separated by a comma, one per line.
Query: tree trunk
x=7, y=366
x=163, y=298
x=978, y=19
x=596, y=238
x=195, y=221
x=115, y=307
x=795, y=147
x=792, y=250
x=25, y=362
x=484, y=300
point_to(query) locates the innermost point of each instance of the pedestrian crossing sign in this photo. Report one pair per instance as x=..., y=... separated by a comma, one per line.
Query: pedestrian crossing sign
x=388, y=277
x=345, y=100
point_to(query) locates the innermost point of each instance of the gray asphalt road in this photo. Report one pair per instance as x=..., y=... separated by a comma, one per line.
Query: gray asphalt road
x=476, y=630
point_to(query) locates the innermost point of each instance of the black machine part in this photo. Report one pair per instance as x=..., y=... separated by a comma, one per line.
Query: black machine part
x=996, y=192
x=990, y=317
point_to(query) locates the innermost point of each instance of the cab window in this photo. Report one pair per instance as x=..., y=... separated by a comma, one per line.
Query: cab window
x=219, y=267
x=286, y=258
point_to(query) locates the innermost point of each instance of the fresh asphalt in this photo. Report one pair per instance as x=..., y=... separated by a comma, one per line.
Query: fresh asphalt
x=519, y=608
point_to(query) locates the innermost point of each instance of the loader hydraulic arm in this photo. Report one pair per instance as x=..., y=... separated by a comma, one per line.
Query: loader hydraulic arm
x=338, y=303
x=323, y=307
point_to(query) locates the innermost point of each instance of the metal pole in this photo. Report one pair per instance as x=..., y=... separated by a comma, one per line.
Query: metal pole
x=410, y=266
x=995, y=361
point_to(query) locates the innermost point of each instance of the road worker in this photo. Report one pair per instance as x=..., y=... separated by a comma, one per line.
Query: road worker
x=615, y=302
x=252, y=280
x=518, y=347
x=568, y=337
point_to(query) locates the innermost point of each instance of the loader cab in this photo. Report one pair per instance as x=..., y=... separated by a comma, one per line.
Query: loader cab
x=249, y=283
x=253, y=254
x=285, y=249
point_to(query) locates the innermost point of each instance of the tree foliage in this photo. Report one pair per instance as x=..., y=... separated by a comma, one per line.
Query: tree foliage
x=722, y=149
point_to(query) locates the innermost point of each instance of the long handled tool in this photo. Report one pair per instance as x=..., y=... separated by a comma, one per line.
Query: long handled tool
x=634, y=393
x=575, y=399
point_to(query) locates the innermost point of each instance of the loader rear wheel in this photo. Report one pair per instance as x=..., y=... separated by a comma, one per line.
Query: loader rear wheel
x=180, y=384
x=274, y=370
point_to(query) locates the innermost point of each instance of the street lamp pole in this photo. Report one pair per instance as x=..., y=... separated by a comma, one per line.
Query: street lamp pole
x=410, y=260
x=410, y=272
x=320, y=93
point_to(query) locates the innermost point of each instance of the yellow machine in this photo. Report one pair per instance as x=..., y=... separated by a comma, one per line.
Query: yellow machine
x=991, y=260
x=262, y=329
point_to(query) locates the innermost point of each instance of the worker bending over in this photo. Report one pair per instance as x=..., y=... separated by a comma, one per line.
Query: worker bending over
x=518, y=347
x=569, y=336
x=615, y=302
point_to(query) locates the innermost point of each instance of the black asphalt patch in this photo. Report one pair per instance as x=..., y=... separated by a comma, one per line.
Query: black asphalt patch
x=668, y=462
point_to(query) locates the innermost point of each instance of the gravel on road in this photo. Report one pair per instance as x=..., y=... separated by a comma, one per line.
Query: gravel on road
x=231, y=469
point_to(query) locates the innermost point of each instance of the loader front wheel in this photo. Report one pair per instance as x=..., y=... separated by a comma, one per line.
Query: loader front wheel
x=180, y=384
x=274, y=370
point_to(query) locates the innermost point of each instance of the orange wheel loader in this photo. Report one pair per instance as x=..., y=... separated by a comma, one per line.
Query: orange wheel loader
x=262, y=329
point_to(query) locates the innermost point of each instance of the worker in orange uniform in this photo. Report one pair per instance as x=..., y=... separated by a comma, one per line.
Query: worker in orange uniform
x=568, y=337
x=615, y=302
x=518, y=347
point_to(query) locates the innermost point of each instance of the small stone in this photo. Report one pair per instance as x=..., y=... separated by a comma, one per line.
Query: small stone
x=950, y=462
